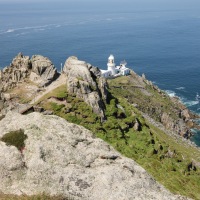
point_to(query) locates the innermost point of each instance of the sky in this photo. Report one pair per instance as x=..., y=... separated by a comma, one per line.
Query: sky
x=110, y=4
x=99, y=6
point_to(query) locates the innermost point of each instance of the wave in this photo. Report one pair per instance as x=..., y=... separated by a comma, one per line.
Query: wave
x=10, y=30
x=42, y=27
x=50, y=26
x=185, y=101
x=23, y=33
x=170, y=93
x=190, y=103
x=180, y=88
x=194, y=131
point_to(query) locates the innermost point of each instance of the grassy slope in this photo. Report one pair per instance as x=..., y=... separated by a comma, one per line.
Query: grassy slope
x=150, y=147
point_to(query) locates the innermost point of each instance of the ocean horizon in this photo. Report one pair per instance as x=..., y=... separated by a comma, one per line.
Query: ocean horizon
x=162, y=44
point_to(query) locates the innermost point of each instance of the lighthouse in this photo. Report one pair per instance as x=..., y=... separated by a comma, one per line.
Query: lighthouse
x=111, y=64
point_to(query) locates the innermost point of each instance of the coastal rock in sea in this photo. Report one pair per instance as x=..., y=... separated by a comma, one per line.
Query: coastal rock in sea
x=84, y=80
x=43, y=70
x=60, y=158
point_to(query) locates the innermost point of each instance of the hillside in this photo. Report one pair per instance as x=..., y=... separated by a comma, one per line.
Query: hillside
x=130, y=113
x=170, y=158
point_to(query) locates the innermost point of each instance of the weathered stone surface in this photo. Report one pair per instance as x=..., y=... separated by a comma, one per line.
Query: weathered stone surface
x=85, y=82
x=43, y=70
x=63, y=158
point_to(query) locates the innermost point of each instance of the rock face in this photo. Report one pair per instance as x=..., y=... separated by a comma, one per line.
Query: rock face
x=43, y=70
x=23, y=68
x=179, y=126
x=85, y=81
x=63, y=158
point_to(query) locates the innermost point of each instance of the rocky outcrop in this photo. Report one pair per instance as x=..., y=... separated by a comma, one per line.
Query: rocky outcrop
x=23, y=68
x=18, y=71
x=179, y=126
x=43, y=70
x=63, y=158
x=85, y=82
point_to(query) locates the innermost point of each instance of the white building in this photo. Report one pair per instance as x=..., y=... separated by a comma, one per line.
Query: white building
x=114, y=70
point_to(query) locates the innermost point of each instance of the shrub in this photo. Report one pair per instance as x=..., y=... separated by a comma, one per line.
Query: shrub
x=15, y=138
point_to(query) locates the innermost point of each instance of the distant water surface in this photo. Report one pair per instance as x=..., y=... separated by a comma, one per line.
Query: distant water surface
x=165, y=45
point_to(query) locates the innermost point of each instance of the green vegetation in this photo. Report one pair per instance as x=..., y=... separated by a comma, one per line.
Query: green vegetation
x=146, y=97
x=15, y=138
x=70, y=108
x=169, y=161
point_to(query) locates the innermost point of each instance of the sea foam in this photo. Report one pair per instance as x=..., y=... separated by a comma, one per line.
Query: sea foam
x=190, y=103
x=170, y=93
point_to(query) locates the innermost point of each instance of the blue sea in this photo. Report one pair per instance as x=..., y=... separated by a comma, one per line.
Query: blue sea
x=164, y=45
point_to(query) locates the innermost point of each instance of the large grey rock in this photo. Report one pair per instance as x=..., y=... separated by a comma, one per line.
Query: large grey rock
x=63, y=158
x=85, y=82
x=43, y=70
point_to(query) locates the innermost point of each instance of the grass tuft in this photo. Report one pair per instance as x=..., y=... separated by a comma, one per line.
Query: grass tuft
x=15, y=138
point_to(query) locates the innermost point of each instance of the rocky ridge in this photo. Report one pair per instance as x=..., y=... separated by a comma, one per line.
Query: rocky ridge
x=38, y=69
x=29, y=75
x=63, y=158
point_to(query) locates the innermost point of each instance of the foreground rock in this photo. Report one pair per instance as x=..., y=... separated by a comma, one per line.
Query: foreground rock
x=84, y=80
x=63, y=158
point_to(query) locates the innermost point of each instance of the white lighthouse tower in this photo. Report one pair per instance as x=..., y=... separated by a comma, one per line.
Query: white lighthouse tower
x=111, y=64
